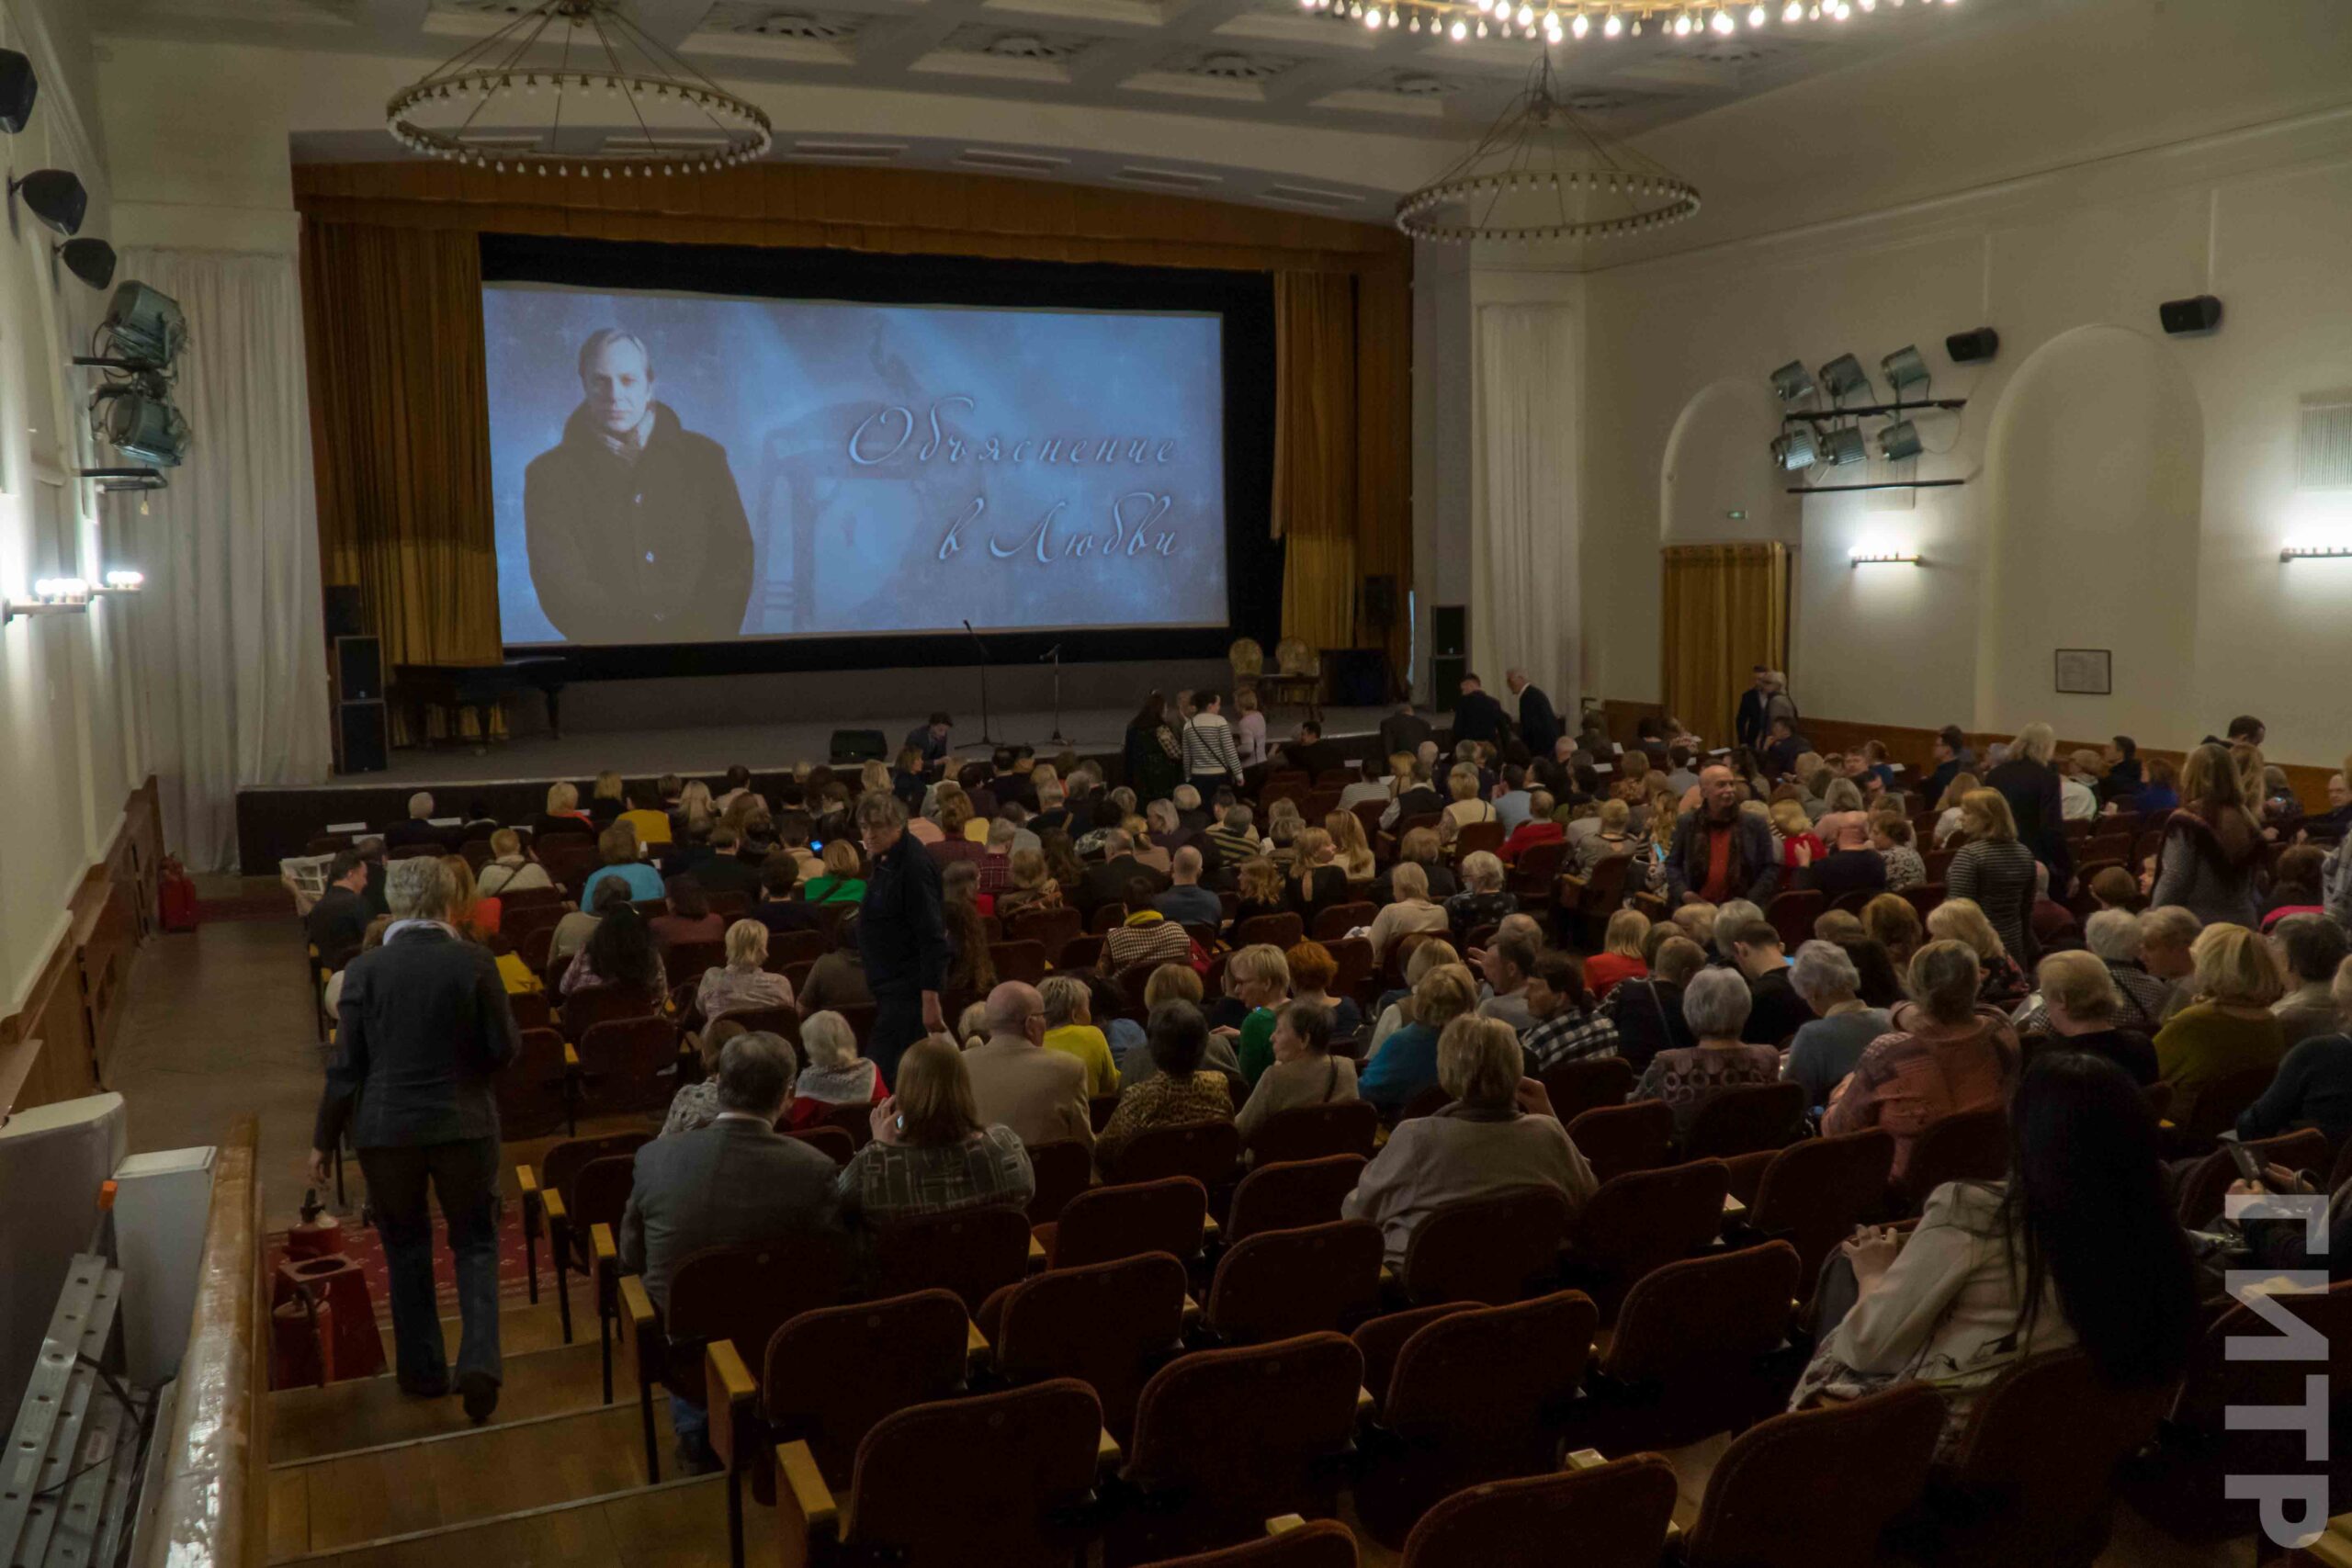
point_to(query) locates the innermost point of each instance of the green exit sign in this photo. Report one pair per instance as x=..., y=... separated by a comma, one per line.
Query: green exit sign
x=1736, y=516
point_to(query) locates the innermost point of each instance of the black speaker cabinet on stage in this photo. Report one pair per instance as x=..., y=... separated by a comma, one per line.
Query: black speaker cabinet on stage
x=1358, y=677
x=358, y=669
x=1449, y=653
x=343, y=607
x=857, y=746
x=1380, y=603
x=362, y=738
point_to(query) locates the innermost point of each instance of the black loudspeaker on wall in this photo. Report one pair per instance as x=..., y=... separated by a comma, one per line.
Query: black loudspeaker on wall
x=2201, y=314
x=1967, y=348
x=358, y=669
x=1379, y=602
x=343, y=610
x=17, y=90
x=1449, y=653
x=362, y=741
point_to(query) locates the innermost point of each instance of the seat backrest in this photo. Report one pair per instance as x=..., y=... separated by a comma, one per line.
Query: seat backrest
x=1241, y=1431
x=1793, y=914
x=1971, y=1146
x=2207, y=1182
x=533, y=1094
x=856, y=1121
x=1142, y=1216
x=1383, y=1340
x=1618, y=1139
x=781, y=1022
x=688, y=960
x=1614, y=1515
x=1285, y=1195
x=1473, y=837
x=1646, y=1218
x=560, y=1167
x=830, y=1142
x=1354, y=957
x=531, y=1009
x=1815, y=1192
x=1818, y=1488
x=974, y=1480
x=2217, y=1381
x=1538, y=865
x=1103, y=1324
x=2218, y=1104
x=787, y=948
x=747, y=1292
x=1314, y=1131
x=1283, y=930
x=1314, y=1543
x=1487, y=1380
x=1485, y=1249
x=592, y=1005
x=1595, y=1083
x=1050, y=929
x=971, y=1252
x=1062, y=1170
x=625, y=1062
x=830, y=1373
x=1276, y=1284
x=1742, y=1120
x=1205, y=1151
x=2037, y=1460
x=1696, y=1319
x=598, y=1194
x=1336, y=920
x=1023, y=961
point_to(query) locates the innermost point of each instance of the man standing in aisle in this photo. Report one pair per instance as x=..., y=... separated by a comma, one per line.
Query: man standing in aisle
x=1747, y=729
x=1539, y=726
x=1476, y=715
x=901, y=933
x=422, y=1027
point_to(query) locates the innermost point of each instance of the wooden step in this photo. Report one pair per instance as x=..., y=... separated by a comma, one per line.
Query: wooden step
x=366, y=1413
x=679, y=1524
x=344, y=1500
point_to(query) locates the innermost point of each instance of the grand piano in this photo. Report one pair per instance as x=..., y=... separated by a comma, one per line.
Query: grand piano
x=454, y=688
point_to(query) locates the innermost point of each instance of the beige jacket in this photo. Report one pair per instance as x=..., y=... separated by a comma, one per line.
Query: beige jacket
x=1460, y=1152
x=1040, y=1094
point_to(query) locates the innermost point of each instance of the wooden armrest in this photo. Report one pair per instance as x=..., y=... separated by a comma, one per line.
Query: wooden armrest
x=975, y=1344
x=1283, y=1524
x=552, y=1202
x=1733, y=1207
x=804, y=1485
x=1106, y=1451
x=571, y=1057
x=1587, y=1458
x=636, y=1305
x=1036, y=1254
x=528, y=1180
x=1210, y=1229
x=729, y=1390
x=602, y=1249
x=1363, y=1403
x=1387, y=1277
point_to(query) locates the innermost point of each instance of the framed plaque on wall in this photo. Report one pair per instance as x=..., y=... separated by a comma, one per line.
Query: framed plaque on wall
x=2087, y=671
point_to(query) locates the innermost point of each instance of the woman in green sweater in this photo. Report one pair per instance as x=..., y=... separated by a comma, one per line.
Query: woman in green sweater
x=1260, y=976
x=2229, y=1028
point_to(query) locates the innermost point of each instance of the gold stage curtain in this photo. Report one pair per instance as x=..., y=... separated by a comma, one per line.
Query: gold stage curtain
x=1314, y=470
x=1384, y=454
x=1727, y=610
x=399, y=420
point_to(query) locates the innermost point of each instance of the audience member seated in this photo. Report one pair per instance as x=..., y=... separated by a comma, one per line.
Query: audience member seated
x=605, y=799
x=842, y=880
x=1850, y=863
x=338, y=921
x=2295, y=886
x=1414, y=794
x=2080, y=1004
x=620, y=952
x=1799, y=846
x=1390, y=1008
x=1482, y=901
x=2214, y=853
x=1108, y=882
x=744, y=982
x=1178, y=1092
x=1948, y=816
x=1420, y=846
x=971, y=967
x=1070, y=1029
x=1170, y=983
x=2167, y=938
x=2079, y=1246
x=716, y=860
x=1469, y=804
x=837, y=981
x=1350, y=850
x=1317, y=881
x=2313, y=1088
x=475, y=916
x=616, y=848
x=416, y=829
x=2312, y=948
x=646, y=817
x=572, y=931
x=1776, y=1011
x=1148, y=936
x=1508, y=964
x=2229, y=1028
x=1566, y=1024
x=735, y=1182
x=1258, y=978
x=1017, y=1083
x=1406, y=1062
x=1186, y=902
x=1492, y=1137
x=1234, y=839
x=1029, y=888
x=1411, y=911
x=688, y=917
x=776, y=908
x=1959, y=919
x=1647, y=1011
x=932, y=1154
x=1312, y=970
x=510, y=869
x=696, y=1104
x=1826, y=1049
x=2113, y=937
x=1715, y=1004
x=1612, y=837
x=563, y=816
x=1943, y=1055
x=1620, y=958
x=1718, y=852
x=1891, y=836
x=1304, y=1071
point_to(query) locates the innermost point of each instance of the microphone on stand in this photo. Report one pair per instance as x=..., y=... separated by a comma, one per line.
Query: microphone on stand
x=986, y=739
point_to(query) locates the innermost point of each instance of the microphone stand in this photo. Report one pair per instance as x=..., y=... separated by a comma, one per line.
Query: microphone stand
x=1055, y=653
x=986, y=739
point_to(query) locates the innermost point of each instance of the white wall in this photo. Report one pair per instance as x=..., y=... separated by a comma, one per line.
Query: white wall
x=72, y=746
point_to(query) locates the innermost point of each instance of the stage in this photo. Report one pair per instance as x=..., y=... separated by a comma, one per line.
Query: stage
x=508, y=780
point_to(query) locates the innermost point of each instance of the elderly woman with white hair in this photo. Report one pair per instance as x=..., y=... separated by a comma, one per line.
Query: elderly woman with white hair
x=1497, y=1133
x=2080, y=1002
x=744, y=982
x=836, y=1074
x=1826, y=978
x=1716, y=1005
x=2112, y=936
x=1482, y=901
x=2037, y=803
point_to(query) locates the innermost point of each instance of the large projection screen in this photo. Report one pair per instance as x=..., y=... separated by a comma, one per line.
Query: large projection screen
x=673, y=468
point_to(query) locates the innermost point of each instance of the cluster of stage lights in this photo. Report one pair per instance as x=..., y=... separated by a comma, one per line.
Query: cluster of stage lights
x=1461, y=20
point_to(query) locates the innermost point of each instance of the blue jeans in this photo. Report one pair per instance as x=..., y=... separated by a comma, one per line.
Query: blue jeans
x=691, y=1422
x=464, y=1179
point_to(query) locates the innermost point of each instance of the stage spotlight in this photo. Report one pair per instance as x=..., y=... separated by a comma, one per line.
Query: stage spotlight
x=1904, y=368
x=137, y=417
x=1898, y=441
x=55, y=196
x=1792, y=381
x=121, y=580
x=92, y=261
x=1840, y=447
x=1843, y=375
x=1795, y=451
x=141, y=324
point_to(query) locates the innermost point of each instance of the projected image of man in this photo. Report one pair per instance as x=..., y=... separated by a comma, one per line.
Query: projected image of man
x=636, y=530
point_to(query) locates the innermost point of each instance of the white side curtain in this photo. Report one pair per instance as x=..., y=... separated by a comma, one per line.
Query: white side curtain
x=1523, y=608
x=233, y=655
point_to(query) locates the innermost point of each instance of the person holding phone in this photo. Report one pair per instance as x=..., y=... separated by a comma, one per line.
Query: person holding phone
x=2283, y=1239
x=929, y=1154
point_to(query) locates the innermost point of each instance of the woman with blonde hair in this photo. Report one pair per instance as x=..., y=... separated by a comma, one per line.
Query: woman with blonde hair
x=469, y=911
x=1411, y=911
x=1994, y=870
x=1800, y=845
x=1316, y=880
x=1259, y=977
x=1620, y=958
x=1964, y=921
x=1421, y=848
x=1262, y=890
x=1405, y=1062
x=1615, y=838
x=2213, y=854
x=2229, y=1029
x=1395, y=1008
x=836, y=1074
x=1350, y=850
x=563, y=814
x=607, y=799
x=1949, y=820
x=1893, y=924
x=2080, y=1002
x=929, y=1154
x=1031, y=887
x=1468, y=805
x=1070, y=1029
x=745, y=982
x=843, y=881
x=510, y=868
x=695, y=816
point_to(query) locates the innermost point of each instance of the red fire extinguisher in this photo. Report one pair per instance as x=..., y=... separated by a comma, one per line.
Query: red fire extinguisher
x=176, y=896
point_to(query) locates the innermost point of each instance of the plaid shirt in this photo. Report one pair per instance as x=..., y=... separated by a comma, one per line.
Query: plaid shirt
x=901, y=1181
x=1569, y=1036
x=996, y=873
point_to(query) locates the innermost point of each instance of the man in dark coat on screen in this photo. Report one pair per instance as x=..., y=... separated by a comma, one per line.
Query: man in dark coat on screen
x=1539, y=726
x=636, y=530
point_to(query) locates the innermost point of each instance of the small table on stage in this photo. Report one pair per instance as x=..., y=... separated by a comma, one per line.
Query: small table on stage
x=454, y=688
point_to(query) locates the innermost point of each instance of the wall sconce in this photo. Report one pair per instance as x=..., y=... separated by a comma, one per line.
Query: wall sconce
x=51, y=596
x=121, y=581
x=2314, y=552
x=1862, y=557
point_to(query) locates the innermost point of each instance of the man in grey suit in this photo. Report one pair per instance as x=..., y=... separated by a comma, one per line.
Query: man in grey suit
x=423, y=1025
x=734, y=1182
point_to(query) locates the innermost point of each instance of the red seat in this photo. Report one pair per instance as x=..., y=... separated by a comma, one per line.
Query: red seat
x=1313, y=1131
x=1107, y=1325
x=1290, y=1194
x=828, y=1375
x=1280, y=930
x=1474, y=837
x=1289, y=1542
x=781, y=1022
x=971, y=1252
x=1593, y=1084
x=1050, y=929
x=1205, y=1151
x=788, y=948
x=1276, y=1284
x=1062, y=1170
x=592, y=1005
x=624, y=1064
x=1021, y=961
x=691, y=959
x=535, y=1090
x=1969, y=1145
x=1644, y=1218
x=1616, y=1140
x=1336, y=920
x=1611, y=1515
x=830, y=1142
x=1486, y=1249
x=1698, y=1347
x=1817, y=1489
x=1814, y=1193
x=1120, y=1222
x=1793, y=914
x=1745, y=1119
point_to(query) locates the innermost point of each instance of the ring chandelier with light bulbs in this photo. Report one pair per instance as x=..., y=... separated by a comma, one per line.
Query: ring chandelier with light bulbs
x=1556, y=20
